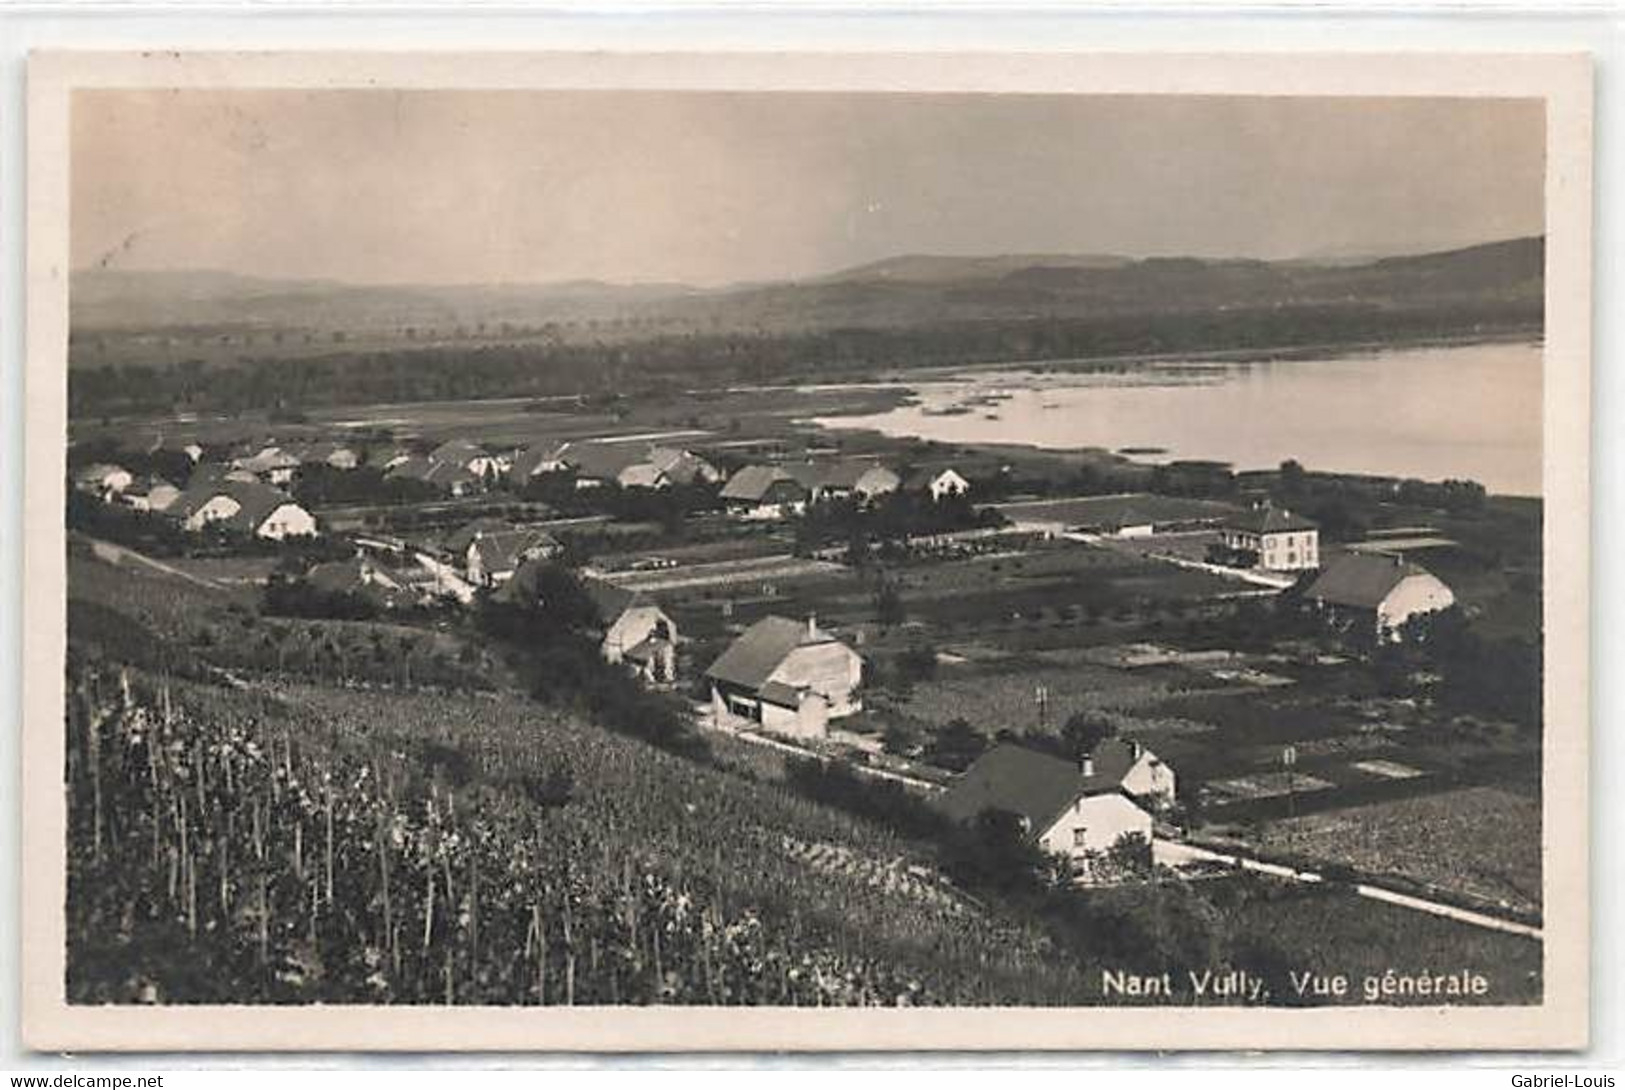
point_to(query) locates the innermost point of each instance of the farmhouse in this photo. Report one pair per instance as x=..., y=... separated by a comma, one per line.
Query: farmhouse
x=790, y=678
x=1078, y=811
x=445, y=477
x=597, y=462
x=534, y=461
x=681, y=467
x=467, y=455
x=492, y=558
x=149, y=493
x=865, y=481
x=103, y=480
x=244, y=507
x=203, y=503
x=1281, y=540
x=635, y=632
x=456, y=543
x=330, y=454
x=265, y=512
x=939, y=483
x=1378, y=593
x=764, y=493
x=270, y=463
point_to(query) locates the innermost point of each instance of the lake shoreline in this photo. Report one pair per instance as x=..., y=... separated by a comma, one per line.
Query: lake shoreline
x=1106, y=437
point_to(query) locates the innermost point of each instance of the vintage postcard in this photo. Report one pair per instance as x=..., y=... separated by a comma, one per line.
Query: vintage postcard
x=821, y=552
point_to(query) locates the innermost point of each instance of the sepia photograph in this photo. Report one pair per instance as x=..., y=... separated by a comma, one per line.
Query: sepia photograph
x=1009, y=551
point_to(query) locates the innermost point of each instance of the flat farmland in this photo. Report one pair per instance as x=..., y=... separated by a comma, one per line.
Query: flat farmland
x=1483, y=842
x=1004, y=694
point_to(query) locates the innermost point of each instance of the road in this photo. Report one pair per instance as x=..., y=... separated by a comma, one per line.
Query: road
x=1176, y=853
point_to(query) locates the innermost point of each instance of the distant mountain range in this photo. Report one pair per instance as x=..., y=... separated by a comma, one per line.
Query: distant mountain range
x=899, y=292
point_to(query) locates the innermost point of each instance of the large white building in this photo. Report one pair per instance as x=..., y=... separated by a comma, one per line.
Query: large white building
x=1282, y=540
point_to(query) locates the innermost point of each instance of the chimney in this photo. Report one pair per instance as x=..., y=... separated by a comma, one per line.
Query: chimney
x=812, y=626
x=1136, y=750
x=1088, y=765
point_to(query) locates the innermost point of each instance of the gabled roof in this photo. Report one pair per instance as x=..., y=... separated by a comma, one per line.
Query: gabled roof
x=1362, y=580
x=503, y=550
x=600, y=460
x=255, y=504
x=751, y=659
x=458, y=452
x=1017, y=780
x=642, y=475
x=1267, y=519
x=267, y=459
x=842, y=475
x=97, y=473
x=440, y=474
x=1034, y=785
x=611, y=600
x=924, y=478
x=458, y=541
x=681, y=467
x=528, y=462
x=197, y=496
x=753, y=483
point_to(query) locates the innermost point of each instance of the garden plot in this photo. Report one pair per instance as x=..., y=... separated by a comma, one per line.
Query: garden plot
x=1483, y=842
x=1267, y=785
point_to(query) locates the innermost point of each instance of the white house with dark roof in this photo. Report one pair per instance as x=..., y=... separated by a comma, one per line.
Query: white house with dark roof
x=149, y=492
x=1078, y=810
x=939, y=483
x=492, y=557
x=271, y=463
x=469, y=455
x=446, y=477
x=1282, y=540
x=635, y=631
x=103, y=480
x=1378, y=591
x=245, y=507
x=788, y=677
x=764, y=493
x=834, y=480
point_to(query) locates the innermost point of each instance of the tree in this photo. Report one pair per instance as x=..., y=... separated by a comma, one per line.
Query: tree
x=889, y=607
x=956, y=746
x=1085, y=730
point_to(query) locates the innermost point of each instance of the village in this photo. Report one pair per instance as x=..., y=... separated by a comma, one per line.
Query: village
x=1174, y=661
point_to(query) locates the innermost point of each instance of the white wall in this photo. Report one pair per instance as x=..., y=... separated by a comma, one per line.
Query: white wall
x=830, y=669
x=1094, y=824
x=1413, y=595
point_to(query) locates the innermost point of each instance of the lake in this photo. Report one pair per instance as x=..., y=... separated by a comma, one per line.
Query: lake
x=1465, y=411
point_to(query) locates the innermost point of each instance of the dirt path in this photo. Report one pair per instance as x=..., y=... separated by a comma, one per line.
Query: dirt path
x=117, y=554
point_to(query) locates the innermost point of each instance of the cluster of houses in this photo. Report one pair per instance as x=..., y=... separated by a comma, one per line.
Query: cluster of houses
x=773, y=492
x=235, y=498
x=627, y=463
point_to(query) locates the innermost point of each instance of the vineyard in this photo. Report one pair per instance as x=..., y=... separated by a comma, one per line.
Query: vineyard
x=311, y=845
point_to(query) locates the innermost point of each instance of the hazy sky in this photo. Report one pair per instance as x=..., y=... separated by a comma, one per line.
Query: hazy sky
x=458, y=186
